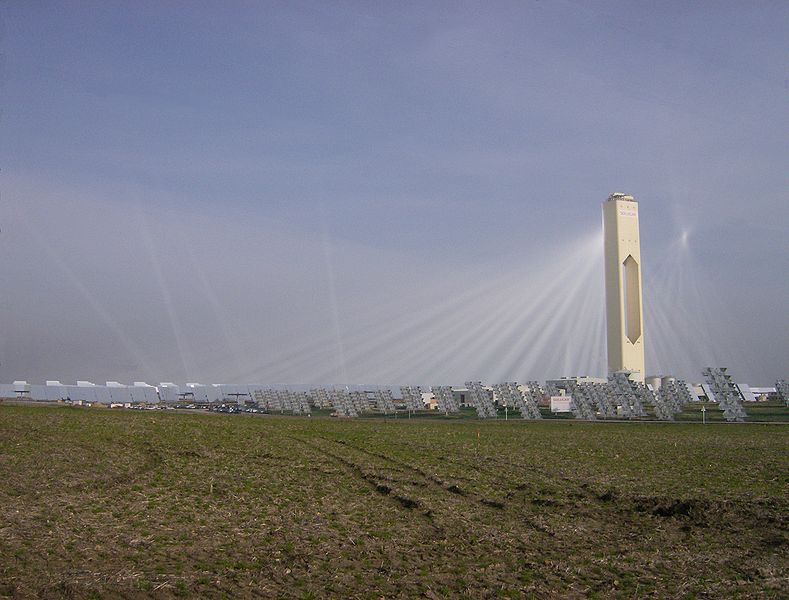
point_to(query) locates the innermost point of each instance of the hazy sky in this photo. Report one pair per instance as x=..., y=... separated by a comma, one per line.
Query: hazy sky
x=387, y=192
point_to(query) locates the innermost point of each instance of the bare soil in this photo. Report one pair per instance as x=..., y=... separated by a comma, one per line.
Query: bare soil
x=99, y=503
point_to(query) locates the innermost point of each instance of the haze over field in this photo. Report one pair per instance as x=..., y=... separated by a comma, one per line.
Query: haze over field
x=404, y=193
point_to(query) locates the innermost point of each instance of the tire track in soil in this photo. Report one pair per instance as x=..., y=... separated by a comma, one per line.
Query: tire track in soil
x=377, y=482
x=436, y=481
x=580, y=490
x=455, y=489
x=541, y=489
x=693, y=511
x=456, y=501
x=579, y=496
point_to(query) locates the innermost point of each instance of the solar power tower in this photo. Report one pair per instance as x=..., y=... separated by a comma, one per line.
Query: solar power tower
x=624, y=318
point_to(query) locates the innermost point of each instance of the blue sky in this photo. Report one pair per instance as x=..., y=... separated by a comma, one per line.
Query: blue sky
x=250, y=191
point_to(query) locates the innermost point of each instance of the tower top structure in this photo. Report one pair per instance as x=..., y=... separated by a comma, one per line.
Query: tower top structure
x=621, y=196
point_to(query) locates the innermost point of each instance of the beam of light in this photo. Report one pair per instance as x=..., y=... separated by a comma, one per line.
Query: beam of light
x=477, y=320
x=545, y=318
x=673, y=331
x=559, y=282
x=379, y=328
x=534, y=314
x=529, y=297
x=211, y=298
x=340, y=366
x=591, y=326
x=513, y=325
x=521, y=330
x=688, y=321
x=550, y=341
x=468, y=332
x=410, y=317
x=128, y=344
x=474, y=332
x=187, y=360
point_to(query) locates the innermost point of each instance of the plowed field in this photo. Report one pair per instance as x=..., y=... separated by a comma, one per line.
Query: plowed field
x=100, y=503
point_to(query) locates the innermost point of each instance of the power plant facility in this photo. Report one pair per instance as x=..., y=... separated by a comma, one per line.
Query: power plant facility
x=623, y=304
x=625, y=393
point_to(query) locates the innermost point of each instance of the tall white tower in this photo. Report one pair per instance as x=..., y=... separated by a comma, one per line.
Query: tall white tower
x=624, y=317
